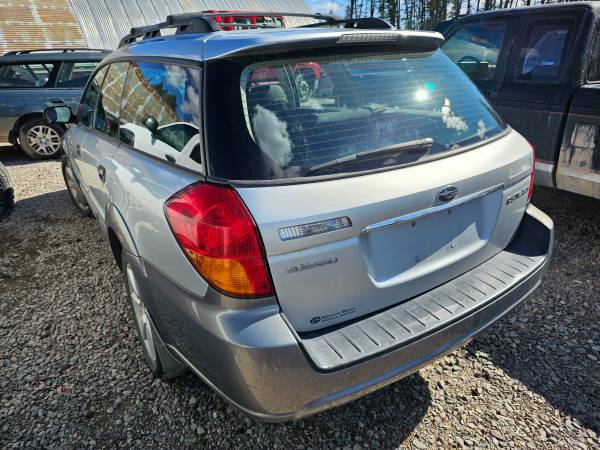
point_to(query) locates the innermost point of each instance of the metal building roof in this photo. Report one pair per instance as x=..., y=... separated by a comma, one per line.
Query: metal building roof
x=38, y=24
x=104, y=22
x=28, y=24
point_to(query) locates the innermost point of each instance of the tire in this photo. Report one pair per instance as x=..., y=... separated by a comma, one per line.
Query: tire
x=7, y=198
x=75, y=192
x=158, y=359
x=40, y=140
x=303, y=87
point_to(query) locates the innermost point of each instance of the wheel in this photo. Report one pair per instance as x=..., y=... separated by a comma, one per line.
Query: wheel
x=161, y=363
x=303, y=87
x=7, y=198
x=40, y=140
x=74, y=190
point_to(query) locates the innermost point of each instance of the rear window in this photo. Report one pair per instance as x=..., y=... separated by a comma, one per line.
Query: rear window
x=26, y=75
x=298, y=117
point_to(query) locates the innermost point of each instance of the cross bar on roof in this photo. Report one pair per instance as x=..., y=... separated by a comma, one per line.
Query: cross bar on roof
x=205, y=23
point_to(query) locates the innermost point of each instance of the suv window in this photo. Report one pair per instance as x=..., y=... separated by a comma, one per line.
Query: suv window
x=285, y=123
x=109, y=102
x=476, y=49
x=161, y=108
x=542, y=54
x=90, y=99
x=594, y=65
x=25, y=75
x=74, y=74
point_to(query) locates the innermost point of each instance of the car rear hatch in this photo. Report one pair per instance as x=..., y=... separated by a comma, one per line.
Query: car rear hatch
x=390, y=177
x=402, y=240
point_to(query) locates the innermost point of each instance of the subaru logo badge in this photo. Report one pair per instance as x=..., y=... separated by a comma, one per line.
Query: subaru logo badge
x=447, y=194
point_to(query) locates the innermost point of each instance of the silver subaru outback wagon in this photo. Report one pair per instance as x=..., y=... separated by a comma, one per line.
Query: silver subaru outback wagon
x=300, y=244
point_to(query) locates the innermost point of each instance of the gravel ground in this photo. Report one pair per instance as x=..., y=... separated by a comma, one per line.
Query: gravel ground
x=72, y=374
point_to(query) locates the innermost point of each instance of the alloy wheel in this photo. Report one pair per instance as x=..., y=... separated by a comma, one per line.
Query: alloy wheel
x=43, y=140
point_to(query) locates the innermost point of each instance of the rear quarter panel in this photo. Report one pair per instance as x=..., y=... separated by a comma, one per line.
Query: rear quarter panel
x=15, y=103
x=138, y=188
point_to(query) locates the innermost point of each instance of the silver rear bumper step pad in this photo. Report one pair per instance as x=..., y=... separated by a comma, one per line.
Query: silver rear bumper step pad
x=500, y=276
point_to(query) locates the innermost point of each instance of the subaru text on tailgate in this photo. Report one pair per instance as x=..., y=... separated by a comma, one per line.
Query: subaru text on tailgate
x=299, y=250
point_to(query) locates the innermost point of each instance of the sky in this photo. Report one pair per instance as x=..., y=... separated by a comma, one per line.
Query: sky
x=324, y=6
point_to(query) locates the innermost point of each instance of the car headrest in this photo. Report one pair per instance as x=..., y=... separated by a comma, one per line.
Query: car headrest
x=270, y=96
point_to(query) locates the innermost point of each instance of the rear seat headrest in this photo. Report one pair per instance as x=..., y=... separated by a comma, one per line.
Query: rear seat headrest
x=270, y=96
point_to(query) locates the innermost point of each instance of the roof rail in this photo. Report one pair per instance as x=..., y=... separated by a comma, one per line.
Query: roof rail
x=50, y=50
x=205, y=23
x=362, y=23
x=316, y=16
x=184, y=23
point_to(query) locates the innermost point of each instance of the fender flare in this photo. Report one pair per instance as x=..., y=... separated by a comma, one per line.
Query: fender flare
x=115, y=223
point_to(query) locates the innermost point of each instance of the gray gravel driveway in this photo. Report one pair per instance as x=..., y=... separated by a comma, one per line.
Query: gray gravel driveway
x=72, y=374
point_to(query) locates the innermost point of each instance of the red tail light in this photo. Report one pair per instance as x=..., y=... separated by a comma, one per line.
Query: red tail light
x=220, y=238
x=530, y=193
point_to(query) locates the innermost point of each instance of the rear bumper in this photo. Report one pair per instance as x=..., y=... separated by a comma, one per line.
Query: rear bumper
x=254, y=359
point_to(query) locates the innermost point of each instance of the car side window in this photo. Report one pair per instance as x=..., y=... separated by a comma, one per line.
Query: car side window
x=160, y=114
x=89, y=100
x=109, y=101
x=543, y=52
x=475, y=48
x=74, y=74
x=593, y=73
x=26, y=75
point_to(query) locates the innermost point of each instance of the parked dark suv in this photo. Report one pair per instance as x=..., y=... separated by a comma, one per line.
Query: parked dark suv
x=31, y=80
x=540, y=69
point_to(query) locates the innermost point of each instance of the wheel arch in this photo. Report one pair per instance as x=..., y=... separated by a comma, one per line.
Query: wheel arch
x=14, y=133
x=119, y=237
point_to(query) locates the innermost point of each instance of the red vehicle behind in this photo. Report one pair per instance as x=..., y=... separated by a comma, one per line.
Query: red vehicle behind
x=306, y=75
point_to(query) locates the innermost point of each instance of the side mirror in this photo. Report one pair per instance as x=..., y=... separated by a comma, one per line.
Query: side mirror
x=151, y=124
x=59, y=114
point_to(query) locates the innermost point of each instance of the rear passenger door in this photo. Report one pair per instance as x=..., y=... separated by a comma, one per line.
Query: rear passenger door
x=481, y=50
x=101, y=138
x=71, y=79
x=535, y=97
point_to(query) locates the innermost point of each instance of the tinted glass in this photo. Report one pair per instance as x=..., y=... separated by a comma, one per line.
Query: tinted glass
x=109, y=103
x=541, y=57
x=74, y=74
x=161, y=108
x=28, y=75
x=594, y=65
x=89, y=100
x=476, y=49
x=296, y=114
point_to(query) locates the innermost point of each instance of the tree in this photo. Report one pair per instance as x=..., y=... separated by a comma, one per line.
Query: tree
x=426, y=14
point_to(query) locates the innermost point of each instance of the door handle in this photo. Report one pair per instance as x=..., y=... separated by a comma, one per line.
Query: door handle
x=101, y=173
x=56, y=100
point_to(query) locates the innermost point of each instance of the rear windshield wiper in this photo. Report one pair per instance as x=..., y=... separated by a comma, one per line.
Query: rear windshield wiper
x=419, y=144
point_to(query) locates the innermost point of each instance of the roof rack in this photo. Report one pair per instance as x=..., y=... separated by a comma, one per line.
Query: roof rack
x=50, y=50
x=362, y=23
x=197, y=23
